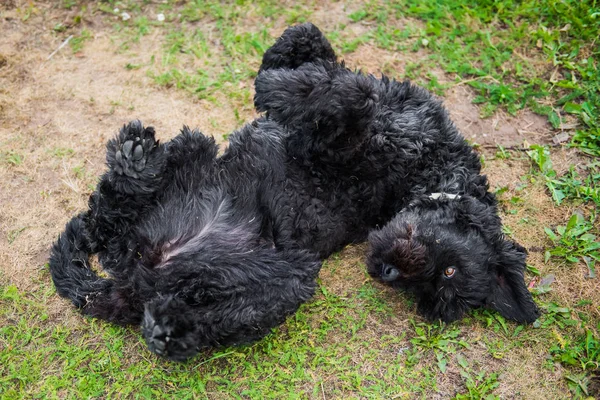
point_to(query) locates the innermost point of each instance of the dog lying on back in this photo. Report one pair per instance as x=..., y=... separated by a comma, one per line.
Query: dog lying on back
x=206, y=250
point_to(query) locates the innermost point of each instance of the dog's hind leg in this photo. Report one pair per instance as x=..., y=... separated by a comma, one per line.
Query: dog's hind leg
x=298, y=45
x=176, y=330
x=328, y=111
x=190, y=148
x=74, y=279
x=238, y=299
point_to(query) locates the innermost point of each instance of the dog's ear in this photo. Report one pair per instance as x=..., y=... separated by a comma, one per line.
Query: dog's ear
x=509, y=295
x=473, y=213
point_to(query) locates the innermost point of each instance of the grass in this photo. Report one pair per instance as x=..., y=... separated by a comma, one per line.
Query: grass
x=582, y=353
x=570, y=185
x=479, y=385
x=438, y=340
x=12, y=158
x=541, y=55
x=355, y=339
x=575, y=243
x=294, y=359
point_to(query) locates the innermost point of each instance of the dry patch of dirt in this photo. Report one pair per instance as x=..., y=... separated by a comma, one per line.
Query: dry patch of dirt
x=499, y=129
x=56, y=116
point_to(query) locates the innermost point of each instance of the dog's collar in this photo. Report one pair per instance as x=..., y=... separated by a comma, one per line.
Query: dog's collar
x=437, y=196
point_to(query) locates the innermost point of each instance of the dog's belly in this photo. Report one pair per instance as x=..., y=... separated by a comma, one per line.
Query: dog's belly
x=192, y=231
x=203, y=240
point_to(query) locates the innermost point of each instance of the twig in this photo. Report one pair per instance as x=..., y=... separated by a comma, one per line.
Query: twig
x=63, y=44
x=68, y=181
x=214, y=358
x=516, y=148
x=465, y=81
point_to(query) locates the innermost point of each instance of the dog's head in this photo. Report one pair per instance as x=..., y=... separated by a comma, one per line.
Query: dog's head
x=452, y=255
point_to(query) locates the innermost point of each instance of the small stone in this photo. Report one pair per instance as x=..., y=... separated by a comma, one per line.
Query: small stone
x=561, y=138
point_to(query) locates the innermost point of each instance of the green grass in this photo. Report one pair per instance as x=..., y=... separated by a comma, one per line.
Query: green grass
x=497, y=48
x=570, y=185
x=78, y=41
x=11, y=158
x=575, y=242
x=536, y=55
x=95, y=359
x=438, y=340
x=583, y=354
x=479, y=385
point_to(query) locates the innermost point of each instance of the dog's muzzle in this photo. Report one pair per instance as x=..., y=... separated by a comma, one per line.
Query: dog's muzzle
x=389, y=273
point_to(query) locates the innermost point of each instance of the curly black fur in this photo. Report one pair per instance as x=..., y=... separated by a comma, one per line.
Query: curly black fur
x=206, y=250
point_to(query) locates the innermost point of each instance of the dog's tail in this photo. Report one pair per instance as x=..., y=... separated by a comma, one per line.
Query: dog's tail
x=75, y=280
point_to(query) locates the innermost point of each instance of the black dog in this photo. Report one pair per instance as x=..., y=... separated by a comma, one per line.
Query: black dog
x=205, y=250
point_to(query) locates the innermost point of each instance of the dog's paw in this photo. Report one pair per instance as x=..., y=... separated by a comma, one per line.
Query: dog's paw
x=131, y=150
x=158, y=338
x=169, y=329
x=298, y=45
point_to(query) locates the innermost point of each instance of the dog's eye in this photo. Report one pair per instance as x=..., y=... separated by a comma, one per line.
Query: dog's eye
x=449, y=272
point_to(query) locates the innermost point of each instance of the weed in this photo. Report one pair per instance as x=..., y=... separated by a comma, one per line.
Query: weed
x=574, y=242
x=574, y=187
x=502, y=153
x=479, y=386
x=78, y=40
x=143, y=27
x=496, y=347
x=79, y=172
x=569, y=186
x=497, y=94
x=14, y=234
x=68, y=4
x=532, y=270
x=62, y=152
x=59, y=28
x=436, y=338
x=582, y=353
x=13, y=158
x=544, y=285
x=492, y=320
x=555, y=315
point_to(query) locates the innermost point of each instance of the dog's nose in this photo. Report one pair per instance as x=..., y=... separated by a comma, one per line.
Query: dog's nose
x=389, y=273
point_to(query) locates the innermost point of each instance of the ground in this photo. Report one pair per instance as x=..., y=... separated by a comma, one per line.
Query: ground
x=520, y=86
